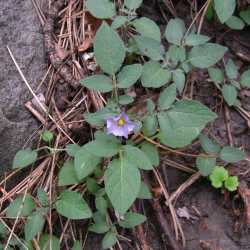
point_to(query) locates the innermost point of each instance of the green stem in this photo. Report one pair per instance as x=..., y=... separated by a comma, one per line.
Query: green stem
x=115, y=91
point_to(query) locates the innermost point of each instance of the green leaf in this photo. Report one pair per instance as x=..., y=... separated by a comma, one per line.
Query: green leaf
x=109, y=49
x=231, y=69
x=47, y=136
x=229, y=93
x=42, y=197
x=71, y=149
x=129, y=75
x=208, y=145
x=24, y=158
x=67, y=174
x=216, y=75
x=101, y=204
x=210, y=11
x=205, y=165
x=152, y=153
x=132, y=219
x=217, y=177
x=154, y=76
x=102, y=148
x=231, y=183
x=27, y=245
x=103, y=136
x=175, y=137
x=92, y=186
x=150, y=106
x=206, y=55
x=245, y=15
x=77, y=245
x=235, y=23
x=101, y=8
x=109, y=240
x=137, y=157
x=144, y=192
x=48, y=242
x=167, y=97
x=224, y=9
x=186, y=67
x=3, y=230
x=148, y=28
x=176, y=54
x=98, y=118
x=100, y=83
x=122, y=184
x=175, y=31
x=118, y=22
x=149, y=47
x=149, y=125
x=133, y=4
x=232, y=154
x=183, y=123
x=245, y=79
x=98, y=172
x=196, y=39
x=26, y=205
x=85, y=163
x=71, y=205
x=179, y=79
x=236, y=84
x=100, y=228
x=34, y=225
x=125, y=99
x=99, y=217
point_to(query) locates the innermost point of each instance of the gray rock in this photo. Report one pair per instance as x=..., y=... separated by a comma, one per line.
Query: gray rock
x=20, y=29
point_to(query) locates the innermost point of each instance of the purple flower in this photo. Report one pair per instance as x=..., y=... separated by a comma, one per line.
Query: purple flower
x=120, y=125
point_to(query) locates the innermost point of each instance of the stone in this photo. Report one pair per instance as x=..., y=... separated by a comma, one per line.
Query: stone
x=20, y=29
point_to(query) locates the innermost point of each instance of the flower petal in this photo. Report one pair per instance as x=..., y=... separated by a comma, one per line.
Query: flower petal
x=124, y=130
x=110, y=123
x=130, y=126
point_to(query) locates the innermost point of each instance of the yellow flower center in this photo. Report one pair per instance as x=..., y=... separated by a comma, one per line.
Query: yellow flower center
x=121, y=122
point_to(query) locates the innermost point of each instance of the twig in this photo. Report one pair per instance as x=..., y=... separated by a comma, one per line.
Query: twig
x=170, y=7
x=173, y=150
x=140, y=234
x=19, y=187
x=228, y=126
x=38, y=116
x=17, y=238
x=35, y=96
x=163, y=223
x=184, y=186
x=195, y=18
x=244, y=114
x=50, y=185
x=161, y=218
x=178, y=166
x=17, y=218
x=203, y=15
x=39, y=12
x=177, y=225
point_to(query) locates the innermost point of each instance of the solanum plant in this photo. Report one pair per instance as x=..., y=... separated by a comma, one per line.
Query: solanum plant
x=110, y=165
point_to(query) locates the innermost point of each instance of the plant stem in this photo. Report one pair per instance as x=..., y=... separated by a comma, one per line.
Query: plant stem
x=51, y=149
x=115, y=92
x=175, y=151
